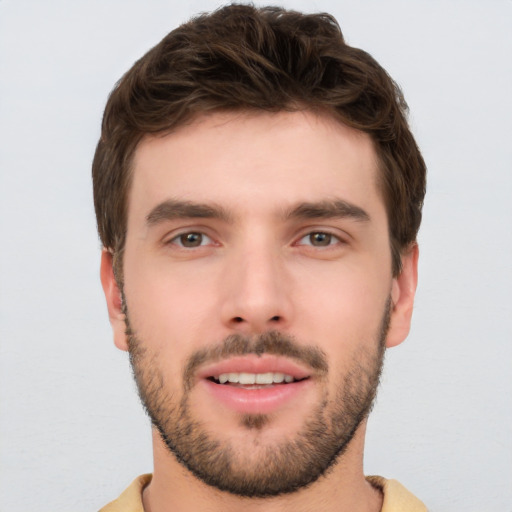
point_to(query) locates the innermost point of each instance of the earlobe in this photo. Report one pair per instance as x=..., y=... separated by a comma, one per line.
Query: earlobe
x=114, y=300
x=402, y=298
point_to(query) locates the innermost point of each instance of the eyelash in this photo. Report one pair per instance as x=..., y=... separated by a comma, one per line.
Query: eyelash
x=332, y=239
x=179, y=240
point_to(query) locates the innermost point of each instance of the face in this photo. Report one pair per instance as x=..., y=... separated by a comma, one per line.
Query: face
x=258, y=294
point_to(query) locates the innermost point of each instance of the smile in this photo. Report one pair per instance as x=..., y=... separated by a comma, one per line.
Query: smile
x=245, y=378
x=256, y=385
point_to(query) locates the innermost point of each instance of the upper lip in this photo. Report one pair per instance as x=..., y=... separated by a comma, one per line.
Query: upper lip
x=254, y=364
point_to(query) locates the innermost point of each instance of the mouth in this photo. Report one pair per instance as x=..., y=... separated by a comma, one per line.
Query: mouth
x=256, y=384
x=254, y=380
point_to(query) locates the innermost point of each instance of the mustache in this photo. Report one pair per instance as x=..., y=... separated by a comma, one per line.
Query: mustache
x=272, y=342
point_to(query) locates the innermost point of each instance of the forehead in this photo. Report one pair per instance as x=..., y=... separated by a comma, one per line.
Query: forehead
x=255, y=160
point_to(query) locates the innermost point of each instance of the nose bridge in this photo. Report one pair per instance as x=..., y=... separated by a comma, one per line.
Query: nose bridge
x=256, y=297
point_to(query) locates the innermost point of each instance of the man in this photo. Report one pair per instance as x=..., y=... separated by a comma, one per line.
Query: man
x=258, y=195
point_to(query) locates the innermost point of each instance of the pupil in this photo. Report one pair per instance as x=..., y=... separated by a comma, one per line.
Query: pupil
x=191, y=239
x=321, y=239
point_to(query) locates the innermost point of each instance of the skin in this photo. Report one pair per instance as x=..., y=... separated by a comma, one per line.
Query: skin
x=259, y=269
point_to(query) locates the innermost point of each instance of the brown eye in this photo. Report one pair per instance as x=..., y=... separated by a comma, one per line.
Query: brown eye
x=190, y=240
x=320, y=239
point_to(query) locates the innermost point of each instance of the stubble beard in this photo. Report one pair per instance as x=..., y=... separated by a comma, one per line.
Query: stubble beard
x=279, y=468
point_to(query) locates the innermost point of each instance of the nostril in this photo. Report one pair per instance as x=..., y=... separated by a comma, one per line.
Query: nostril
x=276, y=319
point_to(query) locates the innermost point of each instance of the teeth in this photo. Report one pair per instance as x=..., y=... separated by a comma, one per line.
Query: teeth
x=254, y=378
x=264, y=378
x=247, y=378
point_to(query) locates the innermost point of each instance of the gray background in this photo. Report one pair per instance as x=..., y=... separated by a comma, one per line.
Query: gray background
x=72, y=433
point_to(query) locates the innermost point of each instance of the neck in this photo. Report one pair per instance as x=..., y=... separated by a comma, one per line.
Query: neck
x=344, y=487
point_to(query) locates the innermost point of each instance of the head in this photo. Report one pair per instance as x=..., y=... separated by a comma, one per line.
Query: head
x=241, y=58
x=258, y=194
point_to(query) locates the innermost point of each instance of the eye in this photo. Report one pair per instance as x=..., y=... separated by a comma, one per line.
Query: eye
x=191, y=240
x=319, y=239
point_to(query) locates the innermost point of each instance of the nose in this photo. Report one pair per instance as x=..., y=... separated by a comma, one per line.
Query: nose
x=256, y=292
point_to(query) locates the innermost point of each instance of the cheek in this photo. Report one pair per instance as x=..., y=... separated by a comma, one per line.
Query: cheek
x=343, y=306
x=169, y=307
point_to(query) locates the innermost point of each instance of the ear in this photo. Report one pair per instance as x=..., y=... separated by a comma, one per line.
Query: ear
x=402, y=297
x=114, y=300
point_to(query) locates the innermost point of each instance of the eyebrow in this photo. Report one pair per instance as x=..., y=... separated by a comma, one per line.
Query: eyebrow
x=175, y=209
x=337, y=208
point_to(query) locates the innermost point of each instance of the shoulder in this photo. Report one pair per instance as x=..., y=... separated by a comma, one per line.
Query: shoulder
x=131, y=498
x=396, y=497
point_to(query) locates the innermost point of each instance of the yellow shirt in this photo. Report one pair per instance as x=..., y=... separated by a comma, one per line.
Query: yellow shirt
x=396, y=497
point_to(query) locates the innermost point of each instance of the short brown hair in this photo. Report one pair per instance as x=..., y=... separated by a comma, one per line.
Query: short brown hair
x=245, y=58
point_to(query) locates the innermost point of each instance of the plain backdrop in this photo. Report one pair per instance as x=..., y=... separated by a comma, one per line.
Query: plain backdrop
x=72, y=432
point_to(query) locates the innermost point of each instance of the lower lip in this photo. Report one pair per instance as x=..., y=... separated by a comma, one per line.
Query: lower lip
x=259, y=400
